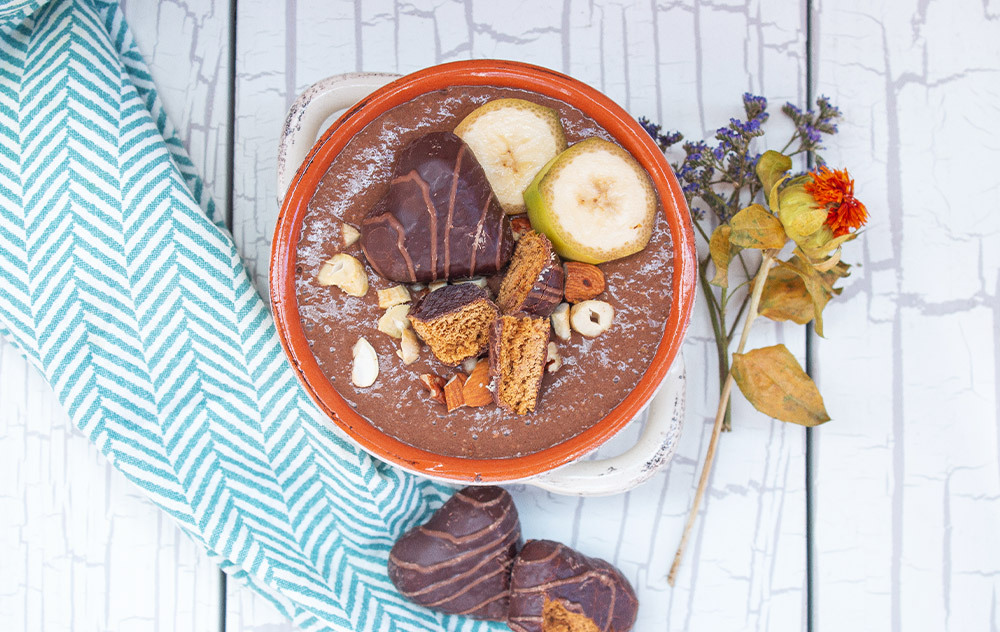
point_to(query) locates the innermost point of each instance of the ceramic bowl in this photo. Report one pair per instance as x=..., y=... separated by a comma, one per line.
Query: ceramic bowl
x=372, y=99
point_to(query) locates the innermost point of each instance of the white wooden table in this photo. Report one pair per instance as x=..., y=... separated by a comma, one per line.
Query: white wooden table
x=887, y=518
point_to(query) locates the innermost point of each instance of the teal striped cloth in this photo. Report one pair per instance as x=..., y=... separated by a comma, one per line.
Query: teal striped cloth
x=120, y=283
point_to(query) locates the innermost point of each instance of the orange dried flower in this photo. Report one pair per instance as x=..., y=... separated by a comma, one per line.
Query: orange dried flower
x=835, y=191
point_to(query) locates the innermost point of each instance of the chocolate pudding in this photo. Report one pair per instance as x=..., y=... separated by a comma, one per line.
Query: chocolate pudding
x=596, y=373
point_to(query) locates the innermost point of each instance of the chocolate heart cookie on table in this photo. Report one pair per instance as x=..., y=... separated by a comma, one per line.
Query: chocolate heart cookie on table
x=459, y=561
x=557, y=589
x=465, y=560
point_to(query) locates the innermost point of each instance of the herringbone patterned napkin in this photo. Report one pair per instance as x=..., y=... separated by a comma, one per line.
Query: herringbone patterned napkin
x=120, y=284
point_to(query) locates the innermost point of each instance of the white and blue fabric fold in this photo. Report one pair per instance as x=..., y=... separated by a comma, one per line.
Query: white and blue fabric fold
x=121, y=284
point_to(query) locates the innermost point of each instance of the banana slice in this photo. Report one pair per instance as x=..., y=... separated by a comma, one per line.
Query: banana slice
x=594, y=202
x=512, y=139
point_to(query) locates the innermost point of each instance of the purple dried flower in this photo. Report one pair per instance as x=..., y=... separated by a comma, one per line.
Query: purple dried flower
x=662, y=140
x=730, y=161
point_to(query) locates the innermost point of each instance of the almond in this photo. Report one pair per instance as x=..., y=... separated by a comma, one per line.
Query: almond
x=435, y=386
x=476, y=391
x=437, y=285
x=583, y=281
x=520, y=225
x=453, y=397
x=364, y=372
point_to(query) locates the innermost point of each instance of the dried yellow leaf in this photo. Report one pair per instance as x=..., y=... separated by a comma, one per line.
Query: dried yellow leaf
x=756, y=227
x=722, y=253
x=774, y=382
x=785, y=297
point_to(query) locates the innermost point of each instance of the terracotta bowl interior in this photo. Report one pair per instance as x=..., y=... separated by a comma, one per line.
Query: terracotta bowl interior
x=496, y=73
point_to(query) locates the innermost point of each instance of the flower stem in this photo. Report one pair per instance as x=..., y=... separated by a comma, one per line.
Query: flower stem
x=720, y=414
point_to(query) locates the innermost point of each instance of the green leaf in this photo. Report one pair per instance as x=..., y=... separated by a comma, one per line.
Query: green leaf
x=722, y=253
x=771, y=167
x=756, y=227
x=774, y=382
x=785, y=297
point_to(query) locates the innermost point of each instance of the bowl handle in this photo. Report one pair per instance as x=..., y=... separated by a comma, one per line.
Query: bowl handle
x=653, y=450
x=311, y=110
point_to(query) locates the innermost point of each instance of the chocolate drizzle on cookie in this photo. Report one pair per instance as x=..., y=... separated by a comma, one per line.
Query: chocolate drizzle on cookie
x=440, y=219
x=459, y=561
x=548, y=574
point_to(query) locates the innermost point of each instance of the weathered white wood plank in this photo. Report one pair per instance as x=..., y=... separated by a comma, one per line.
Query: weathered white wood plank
x=686, y=63
x=907, y=475
x=80, y=548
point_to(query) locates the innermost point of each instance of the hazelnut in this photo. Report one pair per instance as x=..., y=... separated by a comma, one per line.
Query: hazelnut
x=554, y=361
x=345, y=272
x=395, y=295
x=479, y=282
x=394, y=320
x=470, y=364
x=437, y=285
x=365, y=369
x=560, y=321
x=409, y=347
x=591, y=318
x=350, y=234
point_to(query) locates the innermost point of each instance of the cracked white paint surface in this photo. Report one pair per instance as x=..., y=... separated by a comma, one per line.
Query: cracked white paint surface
x=907, y=489
x=907, y=531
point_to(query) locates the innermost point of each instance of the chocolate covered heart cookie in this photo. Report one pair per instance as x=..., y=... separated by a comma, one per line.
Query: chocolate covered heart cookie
x=439, y=219
x=554, y=588
x=459, y=561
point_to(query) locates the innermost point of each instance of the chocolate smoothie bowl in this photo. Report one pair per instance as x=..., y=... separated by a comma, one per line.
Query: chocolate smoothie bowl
x=442, y=327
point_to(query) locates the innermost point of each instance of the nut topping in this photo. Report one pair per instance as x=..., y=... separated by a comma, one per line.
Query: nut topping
x=591, y=318
x=409, y=347
x=583, y=281
x=365, y=369
x=476, y=391
x=560, y=321
x=394, y=320
x=519, y=226
x=345, y=272
x=395, y=295
x=554, y=361
x=453, y=397
x=477, y=281
x=469, y=365
x=350, y=234
x=435, y=386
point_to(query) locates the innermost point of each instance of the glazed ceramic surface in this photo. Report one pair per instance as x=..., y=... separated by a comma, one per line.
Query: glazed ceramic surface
x=313, y=166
